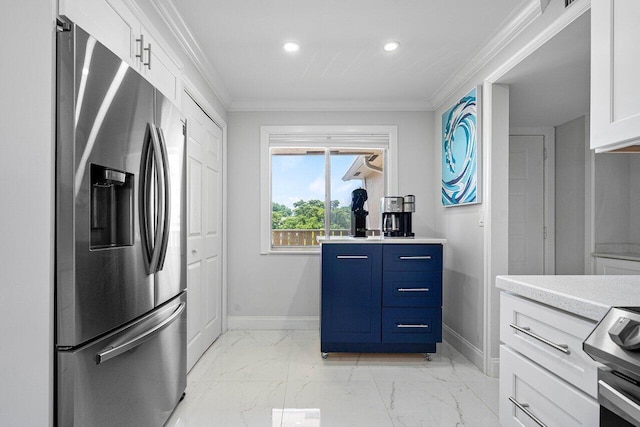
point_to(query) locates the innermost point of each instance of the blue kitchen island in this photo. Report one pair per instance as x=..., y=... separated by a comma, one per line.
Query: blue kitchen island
x=381, y=295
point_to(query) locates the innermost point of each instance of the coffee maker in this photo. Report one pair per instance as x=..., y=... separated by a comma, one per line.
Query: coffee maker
x=396, y=215
x=358, y=214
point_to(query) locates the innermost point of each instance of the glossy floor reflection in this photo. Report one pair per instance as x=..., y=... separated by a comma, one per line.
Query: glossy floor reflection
x=279, y=379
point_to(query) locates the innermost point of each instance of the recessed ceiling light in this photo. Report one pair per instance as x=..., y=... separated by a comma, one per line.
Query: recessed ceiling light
x=391, y=46
x=291, y=46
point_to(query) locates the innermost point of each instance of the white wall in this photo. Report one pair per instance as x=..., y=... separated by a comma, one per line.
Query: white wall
x=570, y=197
x=469, y=281
x=26, y=217
x=289, y=285
x=617, y=199
x=634, y=198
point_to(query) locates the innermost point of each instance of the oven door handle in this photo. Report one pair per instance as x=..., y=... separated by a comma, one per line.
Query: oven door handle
x=627, y=405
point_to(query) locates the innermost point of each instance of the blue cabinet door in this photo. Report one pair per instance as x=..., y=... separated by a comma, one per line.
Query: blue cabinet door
x=351, y=293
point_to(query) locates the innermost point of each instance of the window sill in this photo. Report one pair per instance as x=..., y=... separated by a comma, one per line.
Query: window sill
x=293, y=251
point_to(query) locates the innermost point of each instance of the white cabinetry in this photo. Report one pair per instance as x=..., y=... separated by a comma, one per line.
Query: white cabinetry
x=544, y=373
x=615, y=60
x=115, y=25
x=617, y=266
x=531, y=392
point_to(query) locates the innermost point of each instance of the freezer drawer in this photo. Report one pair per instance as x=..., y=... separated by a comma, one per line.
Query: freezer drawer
x=132, y=377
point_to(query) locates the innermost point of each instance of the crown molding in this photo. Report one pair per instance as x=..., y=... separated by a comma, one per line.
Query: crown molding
x=329, y=105
x=506, y=34
x=543, y=5
x=167, y=10
x=572, y=13
x=190, y=45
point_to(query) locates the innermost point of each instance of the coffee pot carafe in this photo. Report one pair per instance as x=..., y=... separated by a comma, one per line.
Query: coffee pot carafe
x=396, y=215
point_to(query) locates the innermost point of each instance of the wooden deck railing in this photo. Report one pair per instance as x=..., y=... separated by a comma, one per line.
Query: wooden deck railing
x=301, y=237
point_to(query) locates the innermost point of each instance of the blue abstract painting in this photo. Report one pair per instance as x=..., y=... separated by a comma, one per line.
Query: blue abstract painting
x=460, y=130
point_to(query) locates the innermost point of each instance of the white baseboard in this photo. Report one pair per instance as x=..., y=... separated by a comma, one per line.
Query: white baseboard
x=468, y=350
x=494, y=368
x=273, y=322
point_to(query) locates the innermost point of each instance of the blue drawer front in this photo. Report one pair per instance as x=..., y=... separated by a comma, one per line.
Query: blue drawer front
x=408, y=257
x=412, y=289
x=351, y=293
x=412, y=325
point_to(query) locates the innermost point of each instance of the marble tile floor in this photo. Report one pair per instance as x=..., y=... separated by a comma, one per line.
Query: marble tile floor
x=279, y=379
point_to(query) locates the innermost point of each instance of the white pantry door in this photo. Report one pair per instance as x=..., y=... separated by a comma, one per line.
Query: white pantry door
x=526, y=204
x=204, y=238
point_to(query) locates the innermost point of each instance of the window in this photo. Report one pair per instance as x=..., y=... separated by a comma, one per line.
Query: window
x=311, y=170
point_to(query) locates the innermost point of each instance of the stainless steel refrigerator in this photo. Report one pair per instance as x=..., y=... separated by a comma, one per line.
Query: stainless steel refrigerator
x=120, y=301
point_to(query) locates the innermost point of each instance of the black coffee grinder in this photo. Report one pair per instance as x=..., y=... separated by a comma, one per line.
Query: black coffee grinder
x=358, y=214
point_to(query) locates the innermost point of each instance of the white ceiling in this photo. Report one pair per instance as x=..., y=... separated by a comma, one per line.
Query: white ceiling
x=341, y=63
x=551, y=86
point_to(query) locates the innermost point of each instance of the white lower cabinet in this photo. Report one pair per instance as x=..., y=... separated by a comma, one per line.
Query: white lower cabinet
x=545, y=376
x=617, y=266
x=529, y=392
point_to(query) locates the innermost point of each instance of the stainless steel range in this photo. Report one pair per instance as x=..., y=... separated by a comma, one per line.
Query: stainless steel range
x=615, y=342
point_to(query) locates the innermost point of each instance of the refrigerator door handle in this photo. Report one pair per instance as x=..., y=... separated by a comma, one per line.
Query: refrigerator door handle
x=160, y=199
x=144, y=196
x=113, y=351
x=167, y=200
x=151, y=240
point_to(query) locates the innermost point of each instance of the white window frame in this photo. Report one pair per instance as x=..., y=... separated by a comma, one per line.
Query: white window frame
x=311, y=136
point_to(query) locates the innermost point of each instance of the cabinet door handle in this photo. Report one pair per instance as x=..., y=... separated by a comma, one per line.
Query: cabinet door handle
x=409, y=325
x=413, y=289
x=527, y=331
x=352, y=257
x=523, y=407
x=141, y=48
x=415, y=257
x=148, y=49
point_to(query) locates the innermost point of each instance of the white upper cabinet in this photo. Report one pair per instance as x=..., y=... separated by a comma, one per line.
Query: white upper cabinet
x=159, y=67
x=615, y=61
x=115, y=25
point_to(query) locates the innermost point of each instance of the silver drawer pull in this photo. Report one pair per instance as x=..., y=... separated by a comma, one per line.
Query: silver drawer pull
x=415, y=257
x=526, y=330
x=352, y=257
x=413, y=289
x=403, y=325
x=523, y=407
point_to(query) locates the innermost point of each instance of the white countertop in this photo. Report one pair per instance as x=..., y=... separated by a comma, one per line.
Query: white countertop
x=630, y=256
x=586, y=296
x=624, y=251
x=382, y=239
